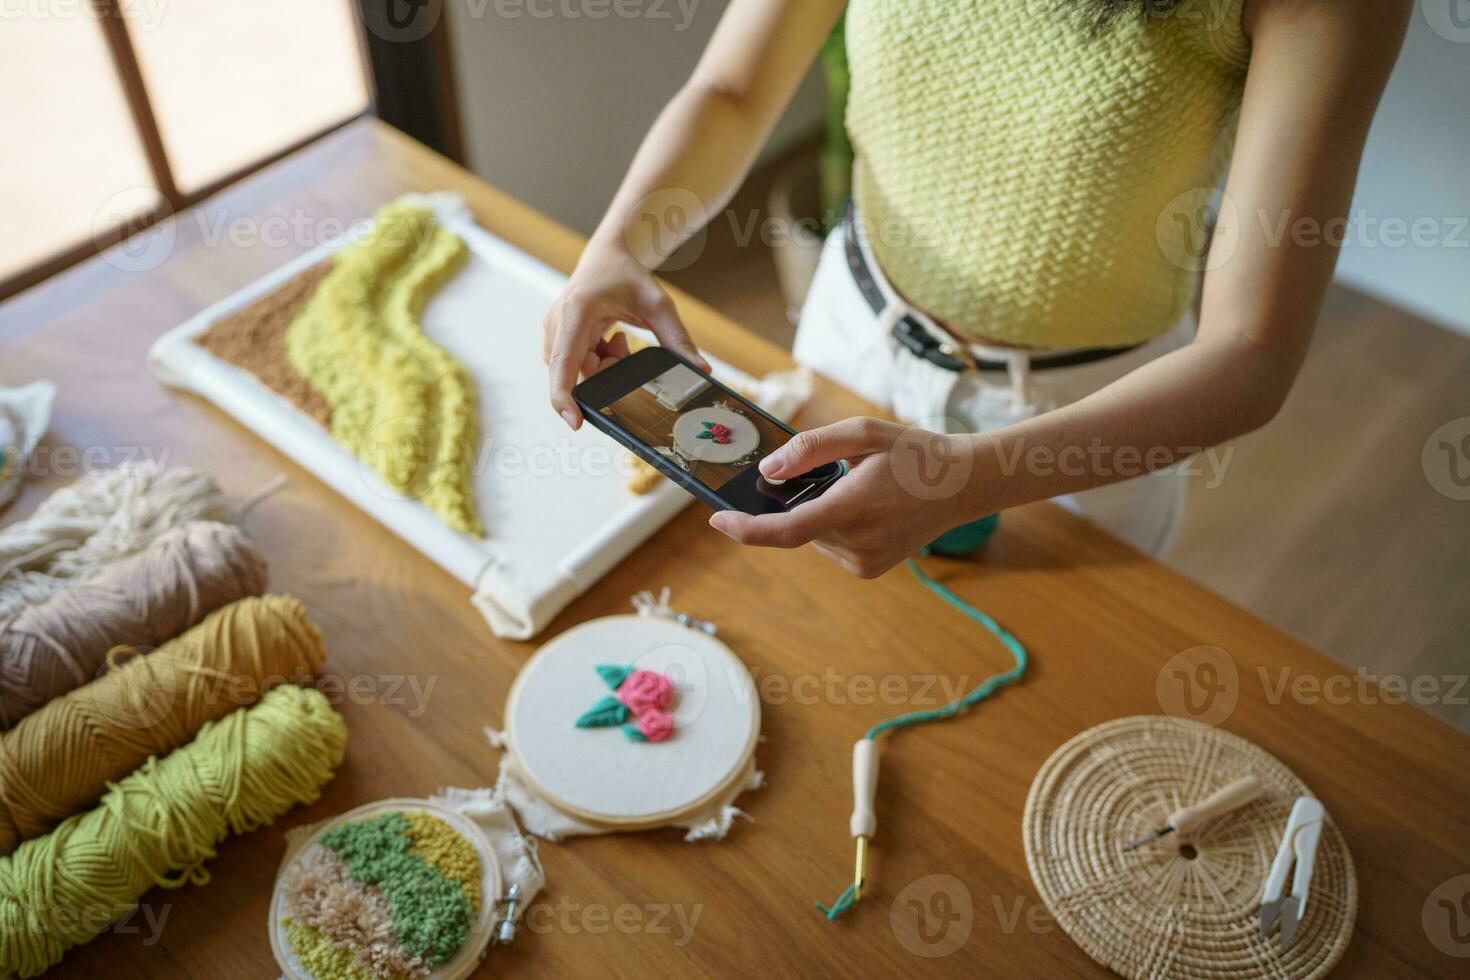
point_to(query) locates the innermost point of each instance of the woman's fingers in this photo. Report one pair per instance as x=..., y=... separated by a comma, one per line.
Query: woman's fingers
x=609, y=352
x=572, y=330
x=574, y=348
x=614, y=347
x=664, y=321
x=789, y=530
x=817, y=447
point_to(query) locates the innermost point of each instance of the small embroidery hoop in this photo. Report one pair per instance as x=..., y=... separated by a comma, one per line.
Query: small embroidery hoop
x=597, y=631
x=476, y=942
x=745, y=438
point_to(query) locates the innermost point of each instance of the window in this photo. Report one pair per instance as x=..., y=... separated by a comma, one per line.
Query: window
x=144, y=106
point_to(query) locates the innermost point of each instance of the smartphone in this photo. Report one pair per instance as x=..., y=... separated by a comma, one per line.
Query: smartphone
x=697, y=432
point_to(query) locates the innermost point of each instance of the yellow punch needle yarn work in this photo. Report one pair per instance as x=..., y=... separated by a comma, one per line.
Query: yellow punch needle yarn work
x=400, y=402
x=158, y=826
x=443, y=847
x=323, y=960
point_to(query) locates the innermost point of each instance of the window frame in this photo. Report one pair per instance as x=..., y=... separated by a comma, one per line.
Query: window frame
x=112, y=21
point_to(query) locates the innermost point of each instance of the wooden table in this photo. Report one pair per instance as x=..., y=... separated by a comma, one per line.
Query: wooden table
x=830, y=654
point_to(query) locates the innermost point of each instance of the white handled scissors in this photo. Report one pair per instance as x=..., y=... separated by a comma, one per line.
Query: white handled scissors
x=1298, y=846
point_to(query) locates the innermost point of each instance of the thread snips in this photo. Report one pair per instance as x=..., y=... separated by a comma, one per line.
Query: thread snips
x=1298, y=847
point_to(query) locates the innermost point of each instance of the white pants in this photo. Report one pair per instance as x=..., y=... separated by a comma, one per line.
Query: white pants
x=840, y=337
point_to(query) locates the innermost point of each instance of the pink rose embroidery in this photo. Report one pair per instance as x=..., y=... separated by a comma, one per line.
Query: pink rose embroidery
x=645, y=695
x=717, y=432
x=655, y=726
x=646, y=690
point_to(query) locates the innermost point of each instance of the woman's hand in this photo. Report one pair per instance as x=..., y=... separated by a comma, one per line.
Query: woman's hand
x=905, y=487
x=608, y=287
x=702, y=145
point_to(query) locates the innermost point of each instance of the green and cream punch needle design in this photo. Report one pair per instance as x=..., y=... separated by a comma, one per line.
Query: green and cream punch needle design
x=389, y=897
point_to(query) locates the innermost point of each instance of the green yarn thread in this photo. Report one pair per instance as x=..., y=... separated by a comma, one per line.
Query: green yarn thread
x=981, y=530
x=160, y=824
x=431, y=913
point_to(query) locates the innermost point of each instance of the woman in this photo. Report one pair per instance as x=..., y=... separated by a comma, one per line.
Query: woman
x=1031, y=195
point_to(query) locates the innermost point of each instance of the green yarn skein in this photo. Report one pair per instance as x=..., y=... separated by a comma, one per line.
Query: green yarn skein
x=159, y=825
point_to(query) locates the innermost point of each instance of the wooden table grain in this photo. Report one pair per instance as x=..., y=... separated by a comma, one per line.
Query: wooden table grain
x=830, y=654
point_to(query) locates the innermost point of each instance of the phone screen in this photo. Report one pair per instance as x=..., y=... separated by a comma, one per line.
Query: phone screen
x=710, y=434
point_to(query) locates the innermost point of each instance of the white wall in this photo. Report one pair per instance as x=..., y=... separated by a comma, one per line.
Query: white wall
x=554, y=102
x=1417, y=168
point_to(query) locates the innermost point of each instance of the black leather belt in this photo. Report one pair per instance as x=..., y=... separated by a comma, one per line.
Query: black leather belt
x=915, y=337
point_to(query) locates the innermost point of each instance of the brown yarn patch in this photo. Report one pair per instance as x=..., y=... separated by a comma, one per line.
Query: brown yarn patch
x=254, y=338
x=352, y=915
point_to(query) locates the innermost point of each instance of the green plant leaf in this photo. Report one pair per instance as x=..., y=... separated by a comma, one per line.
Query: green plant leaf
x=613, y=675
x=605, y=713
x=634, y=735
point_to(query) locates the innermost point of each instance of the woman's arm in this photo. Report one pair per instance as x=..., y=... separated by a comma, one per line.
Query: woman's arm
x=1316, y=73
x=702, y=144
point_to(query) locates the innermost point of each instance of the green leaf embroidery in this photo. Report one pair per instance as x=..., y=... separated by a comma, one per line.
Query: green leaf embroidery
x=609, y=711
x=613, y=675
x=634, y=735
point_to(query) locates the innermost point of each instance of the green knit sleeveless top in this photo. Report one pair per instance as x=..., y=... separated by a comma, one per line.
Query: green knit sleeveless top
x=1027, y=178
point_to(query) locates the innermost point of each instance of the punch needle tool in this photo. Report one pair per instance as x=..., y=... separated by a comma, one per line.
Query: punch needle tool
x=1182, y=821
x=864, y=822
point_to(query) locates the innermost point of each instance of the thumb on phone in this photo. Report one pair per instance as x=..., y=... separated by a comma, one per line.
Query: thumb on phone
x=817, y=447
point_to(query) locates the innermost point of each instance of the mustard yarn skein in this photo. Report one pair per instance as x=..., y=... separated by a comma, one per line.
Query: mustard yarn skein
x=60, y=759
x=160, y=824
x=60, y=643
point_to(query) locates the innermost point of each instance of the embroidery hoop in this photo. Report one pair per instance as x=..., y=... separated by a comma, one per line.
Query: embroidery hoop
x=641, y=641
x=745, y=438
x=477, y=940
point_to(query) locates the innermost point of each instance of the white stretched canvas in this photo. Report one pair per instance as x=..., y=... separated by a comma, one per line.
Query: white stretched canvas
x=555, y=504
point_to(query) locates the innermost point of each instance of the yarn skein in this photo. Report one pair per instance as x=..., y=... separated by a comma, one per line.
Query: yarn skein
x=60, y=643
x=60, y=759
x=160, y=824
x=93, y=522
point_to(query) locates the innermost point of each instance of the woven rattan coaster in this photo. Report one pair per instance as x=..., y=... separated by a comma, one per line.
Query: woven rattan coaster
x=1176, y=908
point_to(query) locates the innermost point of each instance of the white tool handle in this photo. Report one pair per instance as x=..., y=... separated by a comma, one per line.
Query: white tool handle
x=1223, y=800
x=1305, y=846
x=1298, y=843
x=864, y=787
x=1276, y=879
